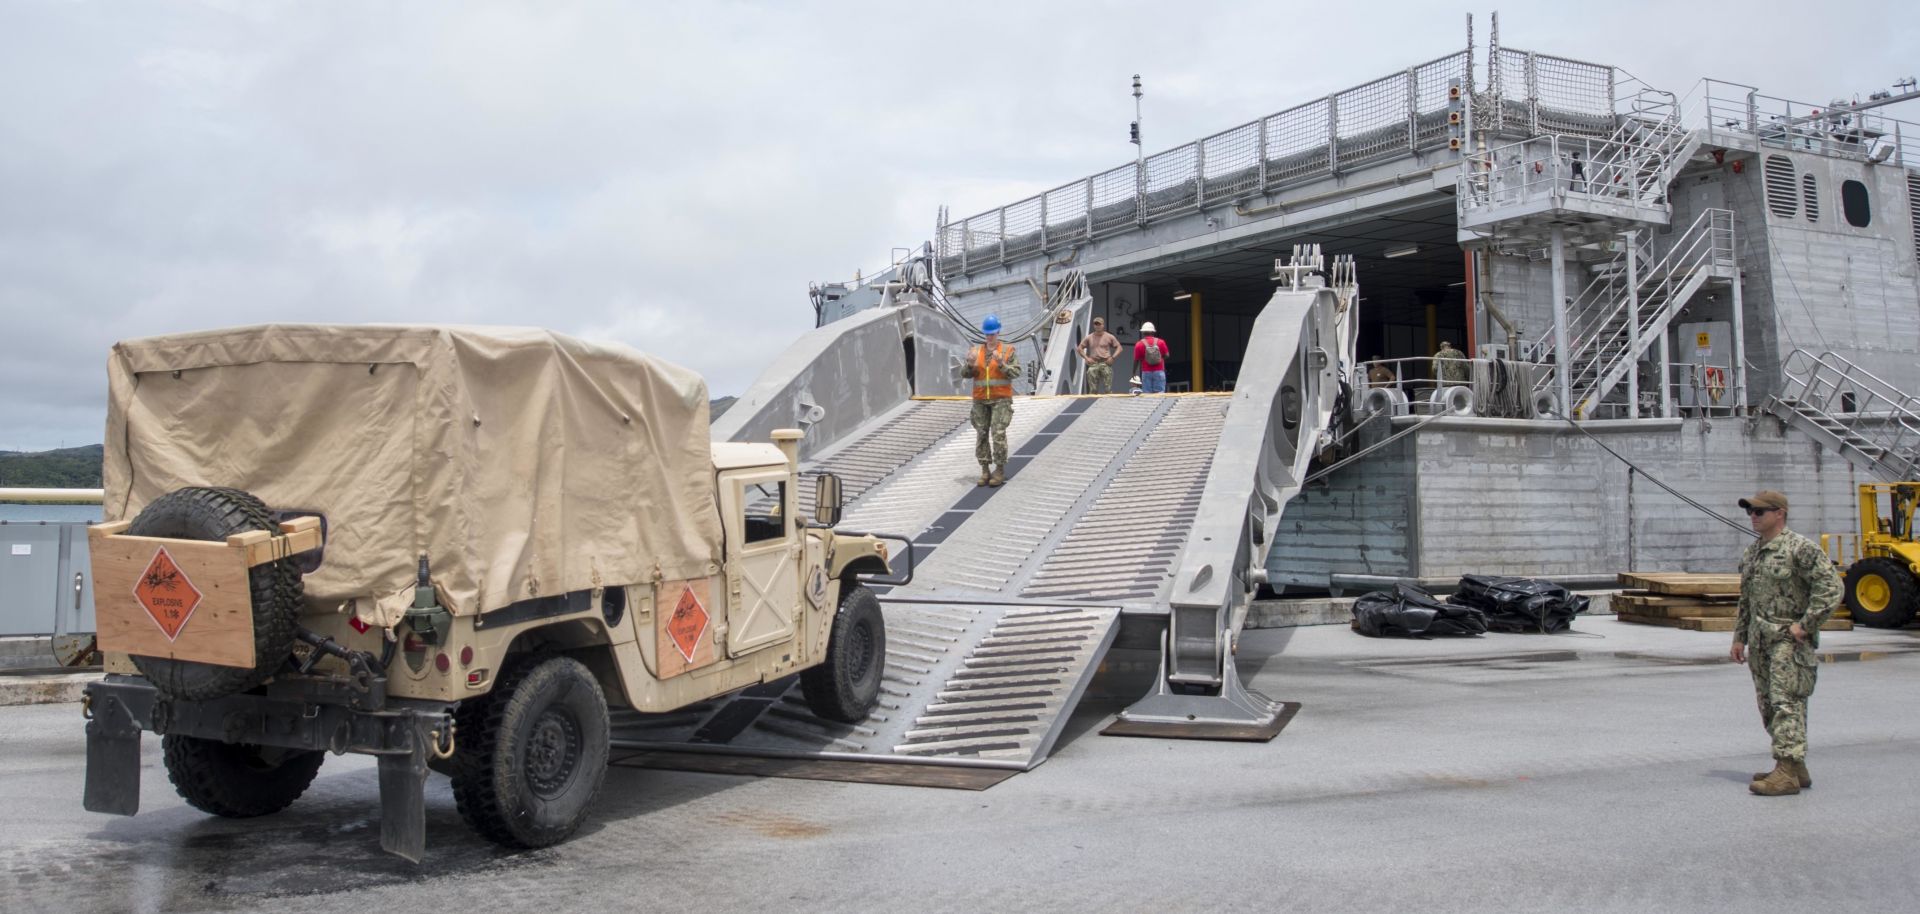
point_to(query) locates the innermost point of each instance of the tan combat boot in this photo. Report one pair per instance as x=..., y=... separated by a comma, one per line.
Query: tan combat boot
x=985, y=478
x=999, y=476
x=1799, y=773
x=1780, y=782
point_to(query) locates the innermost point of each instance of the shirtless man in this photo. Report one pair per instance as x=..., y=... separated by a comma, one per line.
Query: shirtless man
x=1098, y=349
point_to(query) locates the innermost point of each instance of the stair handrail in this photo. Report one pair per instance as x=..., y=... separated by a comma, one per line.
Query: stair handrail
x=1823, y=378
x=1705, y=243
x=1706, y=246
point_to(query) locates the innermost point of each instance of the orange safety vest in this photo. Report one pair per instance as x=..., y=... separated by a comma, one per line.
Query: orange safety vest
x=989, y=383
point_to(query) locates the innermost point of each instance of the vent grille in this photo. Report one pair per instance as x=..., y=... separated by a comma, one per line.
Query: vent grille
x=1779, y=174
x=1810, y=197
x=1913, y=209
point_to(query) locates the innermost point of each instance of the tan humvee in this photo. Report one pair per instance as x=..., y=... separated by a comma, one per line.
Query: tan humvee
x=453, y=548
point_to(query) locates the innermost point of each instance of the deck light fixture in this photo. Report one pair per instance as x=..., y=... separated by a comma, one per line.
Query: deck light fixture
x=1406, y=251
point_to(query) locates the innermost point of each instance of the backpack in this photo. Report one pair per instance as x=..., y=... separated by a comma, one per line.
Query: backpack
x=1154, y=357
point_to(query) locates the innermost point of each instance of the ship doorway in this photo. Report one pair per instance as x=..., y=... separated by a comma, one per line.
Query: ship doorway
x=1413, y=296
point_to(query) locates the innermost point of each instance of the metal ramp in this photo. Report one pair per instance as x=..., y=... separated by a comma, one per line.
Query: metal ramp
x=1111, y=504
x=993, y=642
x=1869, y=422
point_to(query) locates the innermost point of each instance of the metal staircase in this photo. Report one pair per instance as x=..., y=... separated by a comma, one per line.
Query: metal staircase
x=1520, y=189
x=1653, y=142
x=1627, y=307
x=1869, y=422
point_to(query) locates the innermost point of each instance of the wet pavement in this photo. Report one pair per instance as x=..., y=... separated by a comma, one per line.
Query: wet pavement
x=1603, y=770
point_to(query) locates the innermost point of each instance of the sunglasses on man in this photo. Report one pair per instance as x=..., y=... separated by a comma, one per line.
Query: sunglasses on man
x=1756, y=512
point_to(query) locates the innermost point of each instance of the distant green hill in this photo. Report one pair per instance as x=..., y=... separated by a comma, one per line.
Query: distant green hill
x=67, y=468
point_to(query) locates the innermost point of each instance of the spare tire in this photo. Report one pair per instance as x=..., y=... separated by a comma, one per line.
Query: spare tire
x=212, y=514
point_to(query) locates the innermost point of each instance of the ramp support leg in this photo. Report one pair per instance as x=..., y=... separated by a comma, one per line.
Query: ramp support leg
x=1228, y=711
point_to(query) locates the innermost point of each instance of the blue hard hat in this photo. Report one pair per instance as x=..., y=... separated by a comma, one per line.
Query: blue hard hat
x=991, y=324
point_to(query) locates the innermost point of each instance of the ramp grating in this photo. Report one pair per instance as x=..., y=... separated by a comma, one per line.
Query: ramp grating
x=985, y=682
x=1124, y=546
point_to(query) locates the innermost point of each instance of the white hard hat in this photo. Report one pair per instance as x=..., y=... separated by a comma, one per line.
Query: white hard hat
x=1146, y=327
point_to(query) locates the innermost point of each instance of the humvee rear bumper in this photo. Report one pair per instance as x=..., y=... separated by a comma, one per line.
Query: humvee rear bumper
x=404, y=735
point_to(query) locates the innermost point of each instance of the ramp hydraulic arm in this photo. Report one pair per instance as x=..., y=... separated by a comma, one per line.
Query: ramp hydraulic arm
x=1280, y=417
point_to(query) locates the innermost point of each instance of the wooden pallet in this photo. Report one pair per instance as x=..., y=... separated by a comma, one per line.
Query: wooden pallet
x=1690, y=624
x=1677, y=610
x=1714, y=624
x=1675, y=583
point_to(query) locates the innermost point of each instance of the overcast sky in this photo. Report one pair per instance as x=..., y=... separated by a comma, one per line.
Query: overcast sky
x=668, y=175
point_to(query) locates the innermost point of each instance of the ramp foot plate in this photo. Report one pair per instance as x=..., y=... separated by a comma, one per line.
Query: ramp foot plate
x=1200, y=728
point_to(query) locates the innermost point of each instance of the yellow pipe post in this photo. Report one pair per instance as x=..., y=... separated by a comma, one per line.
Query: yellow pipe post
x=1433, y=329
x=1199, y=360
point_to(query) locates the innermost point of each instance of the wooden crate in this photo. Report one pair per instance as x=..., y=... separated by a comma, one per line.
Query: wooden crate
x=184, y=599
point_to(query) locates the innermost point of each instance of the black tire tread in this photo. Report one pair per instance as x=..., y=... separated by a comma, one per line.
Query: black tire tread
x=1905, y=598
x=828, y=686
x=476, y=792
x=209, y=776
x=276, y=594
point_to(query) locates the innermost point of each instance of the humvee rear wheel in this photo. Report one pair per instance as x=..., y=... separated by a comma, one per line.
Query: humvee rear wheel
x=200, y=513
x=846, y=685
x=237, y=780
x=1882, y=592
x=533, y=754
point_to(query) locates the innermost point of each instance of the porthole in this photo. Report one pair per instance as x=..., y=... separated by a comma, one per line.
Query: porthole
x=1854, y=204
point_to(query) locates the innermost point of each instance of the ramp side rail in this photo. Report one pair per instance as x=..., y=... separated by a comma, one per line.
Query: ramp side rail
x=1279, y=419
x=1061, y=369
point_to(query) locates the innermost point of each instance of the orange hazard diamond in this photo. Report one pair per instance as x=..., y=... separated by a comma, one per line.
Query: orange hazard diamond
x=687, y=624
x=166, y=594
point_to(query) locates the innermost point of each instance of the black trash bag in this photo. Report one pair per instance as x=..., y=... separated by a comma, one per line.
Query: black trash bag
x=1409, y=612
x=1520, y=604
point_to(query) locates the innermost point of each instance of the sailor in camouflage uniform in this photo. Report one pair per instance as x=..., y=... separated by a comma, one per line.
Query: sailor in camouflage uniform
x=1787, y=588
x=992, y=365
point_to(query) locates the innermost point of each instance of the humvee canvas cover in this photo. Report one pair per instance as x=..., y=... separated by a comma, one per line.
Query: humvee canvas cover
x=523, y=463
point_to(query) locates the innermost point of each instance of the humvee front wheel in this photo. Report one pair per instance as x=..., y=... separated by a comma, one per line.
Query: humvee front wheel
x=846, y=685
x=533, y=754
x=236, y=780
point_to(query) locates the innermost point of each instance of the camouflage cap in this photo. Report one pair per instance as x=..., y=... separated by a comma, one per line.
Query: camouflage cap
x=1766, y=499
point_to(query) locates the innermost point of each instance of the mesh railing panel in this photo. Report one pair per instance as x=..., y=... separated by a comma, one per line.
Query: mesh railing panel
x=1573, y=85
x=1297, y=143
x=1023, y=228
x=1430, y=82
x=1067, y=212
x=1170, y=179
x=1115, y=194
x=1232, y=161
x=1512, y=78
x=1372, y=119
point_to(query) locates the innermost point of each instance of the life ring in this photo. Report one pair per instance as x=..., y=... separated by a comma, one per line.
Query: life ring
x=1716, y=382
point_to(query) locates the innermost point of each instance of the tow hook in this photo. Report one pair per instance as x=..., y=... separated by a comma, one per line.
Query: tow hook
x=443, y=740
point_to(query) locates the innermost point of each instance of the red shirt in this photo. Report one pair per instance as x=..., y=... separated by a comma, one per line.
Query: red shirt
x=1140, y=353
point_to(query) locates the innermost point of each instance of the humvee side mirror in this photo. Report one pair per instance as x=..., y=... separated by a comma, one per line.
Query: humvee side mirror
x=826, y=499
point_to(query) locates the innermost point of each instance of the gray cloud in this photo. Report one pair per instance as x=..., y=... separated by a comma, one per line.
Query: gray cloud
x=666, y=175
